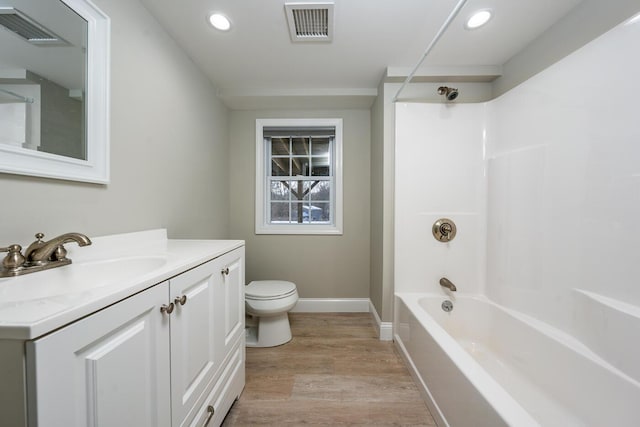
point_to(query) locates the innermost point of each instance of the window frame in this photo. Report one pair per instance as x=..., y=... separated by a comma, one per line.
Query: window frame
x=262, y=226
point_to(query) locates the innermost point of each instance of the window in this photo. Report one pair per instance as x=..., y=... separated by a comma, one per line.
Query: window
x=299, y=176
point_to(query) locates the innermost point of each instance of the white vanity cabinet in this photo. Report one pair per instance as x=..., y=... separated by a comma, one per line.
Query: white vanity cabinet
x=108, y=369
x=230, y=377
x=171, y=355
x=206, y=328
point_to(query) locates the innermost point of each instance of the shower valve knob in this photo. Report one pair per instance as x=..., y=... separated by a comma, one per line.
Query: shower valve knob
x=444, y=230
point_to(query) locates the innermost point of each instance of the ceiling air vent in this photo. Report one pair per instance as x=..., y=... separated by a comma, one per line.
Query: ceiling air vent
x=310, y=22
x=21, y=25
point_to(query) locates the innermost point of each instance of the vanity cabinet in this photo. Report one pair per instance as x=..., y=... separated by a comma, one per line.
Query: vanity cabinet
x=206, y=327
x=171, y=355
x=108, y=369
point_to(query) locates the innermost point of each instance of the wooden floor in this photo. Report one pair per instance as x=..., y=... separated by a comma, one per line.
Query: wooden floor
x=334, y=372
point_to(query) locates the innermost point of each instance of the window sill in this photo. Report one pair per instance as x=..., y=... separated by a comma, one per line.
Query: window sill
x=299, y=229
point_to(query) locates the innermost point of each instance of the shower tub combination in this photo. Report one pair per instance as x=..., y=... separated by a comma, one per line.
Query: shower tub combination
x=484, y=365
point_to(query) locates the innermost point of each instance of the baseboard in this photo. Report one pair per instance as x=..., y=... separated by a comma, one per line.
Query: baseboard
x=332, y=305
x=385, y=329
x=345, y=305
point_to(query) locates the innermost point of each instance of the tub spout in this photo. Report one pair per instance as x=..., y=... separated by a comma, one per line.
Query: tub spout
x=446, y=283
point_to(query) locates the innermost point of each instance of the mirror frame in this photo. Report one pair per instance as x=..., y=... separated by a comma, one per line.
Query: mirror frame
x=22, y=161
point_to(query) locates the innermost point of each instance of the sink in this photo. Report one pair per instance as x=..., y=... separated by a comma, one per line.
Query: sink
x=76, y=278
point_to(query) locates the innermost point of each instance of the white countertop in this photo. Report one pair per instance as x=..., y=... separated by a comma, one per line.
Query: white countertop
x=109, y=270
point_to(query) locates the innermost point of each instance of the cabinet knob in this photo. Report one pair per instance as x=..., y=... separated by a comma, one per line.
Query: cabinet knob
x=168, y=309
x=181, y=300
x=211, y=410
x=225, y=271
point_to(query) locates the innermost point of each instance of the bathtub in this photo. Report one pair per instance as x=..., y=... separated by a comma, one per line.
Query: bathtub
x=484, y=365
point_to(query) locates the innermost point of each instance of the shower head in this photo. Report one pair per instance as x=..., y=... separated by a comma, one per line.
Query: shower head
x=449, y=92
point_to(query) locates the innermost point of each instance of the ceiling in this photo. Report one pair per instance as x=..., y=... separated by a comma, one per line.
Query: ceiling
x=257, y=59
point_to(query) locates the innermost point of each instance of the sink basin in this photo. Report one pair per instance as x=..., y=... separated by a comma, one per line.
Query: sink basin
x=76, y=278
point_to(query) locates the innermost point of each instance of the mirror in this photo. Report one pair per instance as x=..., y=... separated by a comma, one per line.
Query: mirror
x=54, y=89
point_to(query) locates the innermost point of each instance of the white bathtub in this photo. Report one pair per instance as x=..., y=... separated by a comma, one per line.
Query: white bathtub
x=484, y=365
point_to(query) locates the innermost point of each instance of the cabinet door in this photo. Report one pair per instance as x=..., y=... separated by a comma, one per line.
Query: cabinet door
x=226, y=390
x=232, y=294
x=195, y=338
x=108, y=369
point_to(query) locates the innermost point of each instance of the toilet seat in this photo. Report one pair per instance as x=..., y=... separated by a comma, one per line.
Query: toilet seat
x=267, y=303
x=265, y=290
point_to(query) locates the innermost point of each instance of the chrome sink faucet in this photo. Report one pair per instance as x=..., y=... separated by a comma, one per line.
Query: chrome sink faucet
x=40, y=255
x=40, y=251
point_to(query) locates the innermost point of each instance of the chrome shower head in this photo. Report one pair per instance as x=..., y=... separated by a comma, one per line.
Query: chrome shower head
x=449, y=92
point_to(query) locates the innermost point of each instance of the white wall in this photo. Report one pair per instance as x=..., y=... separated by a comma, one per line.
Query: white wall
x=169, y=149
x=588, y=20
x=564, y=182
x=376, y=236
x=563, y=194
x=383, y=176
x=439, y=173
x=320, y=266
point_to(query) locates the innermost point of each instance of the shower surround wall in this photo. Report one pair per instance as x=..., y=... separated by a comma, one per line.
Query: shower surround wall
x=561, y=161
x=439, y=173
x=564, y=184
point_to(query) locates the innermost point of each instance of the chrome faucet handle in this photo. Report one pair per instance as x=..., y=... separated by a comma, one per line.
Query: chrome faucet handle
x=35, y=245
x=444, y=230
x=59, y=254
x=39, y=241
x=14, y=258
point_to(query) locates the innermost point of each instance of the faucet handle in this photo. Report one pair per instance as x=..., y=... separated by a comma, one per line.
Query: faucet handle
x=35, y=245
x=60, y=254
x=444, y=230
x=39, y=242
x=14, y=258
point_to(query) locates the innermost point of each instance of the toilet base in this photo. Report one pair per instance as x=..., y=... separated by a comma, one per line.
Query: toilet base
x=269, y=331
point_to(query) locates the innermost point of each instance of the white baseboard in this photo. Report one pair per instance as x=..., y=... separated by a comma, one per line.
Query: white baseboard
x=345, y=305
x=385, y=329
x=332, y=305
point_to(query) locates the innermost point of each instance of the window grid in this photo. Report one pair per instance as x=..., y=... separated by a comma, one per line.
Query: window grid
x=298, y=195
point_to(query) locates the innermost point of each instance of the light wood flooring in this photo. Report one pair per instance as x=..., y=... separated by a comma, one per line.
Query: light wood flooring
x=334, y=371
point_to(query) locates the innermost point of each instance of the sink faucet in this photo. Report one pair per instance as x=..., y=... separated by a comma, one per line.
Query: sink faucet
x=40, y=255
x=40, y=251
x=446, y=283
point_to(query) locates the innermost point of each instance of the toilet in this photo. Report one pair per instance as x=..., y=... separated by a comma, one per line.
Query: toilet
x=267, y=302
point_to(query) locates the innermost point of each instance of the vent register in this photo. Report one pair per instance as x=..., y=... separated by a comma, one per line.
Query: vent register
x=25, y=27
x=310, y=22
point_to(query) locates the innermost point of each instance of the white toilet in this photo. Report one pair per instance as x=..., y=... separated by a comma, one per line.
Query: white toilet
x=267, y=302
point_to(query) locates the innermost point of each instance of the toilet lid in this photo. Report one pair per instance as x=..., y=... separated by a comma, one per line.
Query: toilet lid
x=269, y=289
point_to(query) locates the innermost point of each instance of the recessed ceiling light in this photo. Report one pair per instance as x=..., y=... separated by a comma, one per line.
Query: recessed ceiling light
x=478, y=19
x=219, y=22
